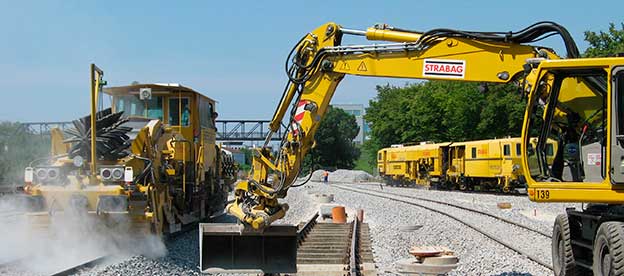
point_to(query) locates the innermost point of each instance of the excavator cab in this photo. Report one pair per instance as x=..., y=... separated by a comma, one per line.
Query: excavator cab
x=579, y=104
x=575, y=105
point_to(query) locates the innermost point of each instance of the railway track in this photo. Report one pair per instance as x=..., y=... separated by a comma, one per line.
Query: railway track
x=17, y=265
x=508, y=221
x=82, y=266
x=517, y=192
x=523, y=247
x=20, y=265
x=334, y=248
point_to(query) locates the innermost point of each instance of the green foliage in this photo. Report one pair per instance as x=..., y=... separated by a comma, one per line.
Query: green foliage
x=334, y=141
x=605, y=44
x=245, y=167
x=441, y=111
x=18, y=147
x=364, y=162
x=248, y=156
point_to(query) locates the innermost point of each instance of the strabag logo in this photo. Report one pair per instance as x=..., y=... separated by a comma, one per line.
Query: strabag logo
x=444, y=68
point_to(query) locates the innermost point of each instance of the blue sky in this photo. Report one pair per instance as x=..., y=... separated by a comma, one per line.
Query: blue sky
x=232, y=51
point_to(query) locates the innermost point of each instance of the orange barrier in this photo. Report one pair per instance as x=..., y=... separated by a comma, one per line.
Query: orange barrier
x=339, y=215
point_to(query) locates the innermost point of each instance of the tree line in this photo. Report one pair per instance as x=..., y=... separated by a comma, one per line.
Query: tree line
x=19, y=147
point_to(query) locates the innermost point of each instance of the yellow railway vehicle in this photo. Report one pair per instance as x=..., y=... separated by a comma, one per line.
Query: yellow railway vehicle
x=493, y=164
x=154, y=163
x=409, y=165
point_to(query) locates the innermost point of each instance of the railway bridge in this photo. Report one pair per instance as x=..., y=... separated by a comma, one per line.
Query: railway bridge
x=227, y=130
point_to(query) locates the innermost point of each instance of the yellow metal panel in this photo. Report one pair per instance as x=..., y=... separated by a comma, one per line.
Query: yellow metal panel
x=410, y=64
x=579, y=194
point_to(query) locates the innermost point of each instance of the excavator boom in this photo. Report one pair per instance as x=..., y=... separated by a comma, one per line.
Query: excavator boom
x=319, y=61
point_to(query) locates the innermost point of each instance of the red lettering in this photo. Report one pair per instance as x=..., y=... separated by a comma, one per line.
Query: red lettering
x=444, y=68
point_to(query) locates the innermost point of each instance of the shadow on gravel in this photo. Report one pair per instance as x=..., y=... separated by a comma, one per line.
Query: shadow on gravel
x=513, y=273
x=183, y=252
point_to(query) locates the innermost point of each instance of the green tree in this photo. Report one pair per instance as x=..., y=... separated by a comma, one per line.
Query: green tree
x=334, y=141
x=605, y=44
x=441, y=111
x=18, y=147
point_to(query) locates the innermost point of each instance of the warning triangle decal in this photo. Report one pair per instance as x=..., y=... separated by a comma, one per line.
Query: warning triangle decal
x=362, y=67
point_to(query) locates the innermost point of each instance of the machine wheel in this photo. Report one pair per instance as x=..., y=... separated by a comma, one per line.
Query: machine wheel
x=463, y=184
x=563, y=257
x=609, y=249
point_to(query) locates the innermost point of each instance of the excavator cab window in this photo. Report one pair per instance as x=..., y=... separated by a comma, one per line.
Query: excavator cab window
x=569, y=114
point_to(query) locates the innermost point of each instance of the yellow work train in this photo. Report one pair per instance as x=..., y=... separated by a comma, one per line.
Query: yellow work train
x=155, y=162
x=473, y=165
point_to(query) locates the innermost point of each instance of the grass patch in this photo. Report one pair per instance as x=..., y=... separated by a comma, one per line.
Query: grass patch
x=364, y=162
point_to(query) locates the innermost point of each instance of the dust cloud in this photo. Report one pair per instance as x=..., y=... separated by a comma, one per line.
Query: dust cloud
x=70, y=238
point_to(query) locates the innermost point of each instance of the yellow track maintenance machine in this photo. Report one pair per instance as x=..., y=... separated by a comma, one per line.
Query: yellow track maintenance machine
x=149, y=161
x=482, y=165
x=578, y=102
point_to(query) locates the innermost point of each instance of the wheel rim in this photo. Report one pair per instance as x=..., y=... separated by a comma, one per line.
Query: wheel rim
x=606, y=261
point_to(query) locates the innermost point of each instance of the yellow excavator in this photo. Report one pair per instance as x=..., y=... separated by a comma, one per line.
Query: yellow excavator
x=575, y=101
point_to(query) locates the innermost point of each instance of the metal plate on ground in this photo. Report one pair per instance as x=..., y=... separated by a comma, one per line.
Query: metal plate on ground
x=413, y=267
x=409, y=227
x=225, y=249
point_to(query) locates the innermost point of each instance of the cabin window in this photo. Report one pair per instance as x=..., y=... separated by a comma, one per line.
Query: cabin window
x=131, y=105
x=568, y=136
x=518, y=149
x=550, y=150
x=506, y=150
x=379, y=156
x=474, y=152
x=179, y=112
x=205, y=114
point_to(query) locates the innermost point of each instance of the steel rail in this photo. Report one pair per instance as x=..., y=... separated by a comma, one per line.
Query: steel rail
x=478, y=192
x=456, y=218
x=89, y=264
x=354, y=266
x=307, y=227
x=471, y=210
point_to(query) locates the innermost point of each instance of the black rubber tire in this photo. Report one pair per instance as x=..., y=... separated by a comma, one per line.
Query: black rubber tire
x=563, y=257
x=609, y=249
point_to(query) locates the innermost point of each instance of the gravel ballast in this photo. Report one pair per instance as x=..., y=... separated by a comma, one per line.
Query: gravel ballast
x=478, y=254
x=183, y=251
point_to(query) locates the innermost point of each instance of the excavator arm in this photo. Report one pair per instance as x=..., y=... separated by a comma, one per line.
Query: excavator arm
x=318, y=63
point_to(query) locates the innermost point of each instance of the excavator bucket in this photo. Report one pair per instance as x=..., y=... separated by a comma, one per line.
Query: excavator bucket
x=229, y=248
